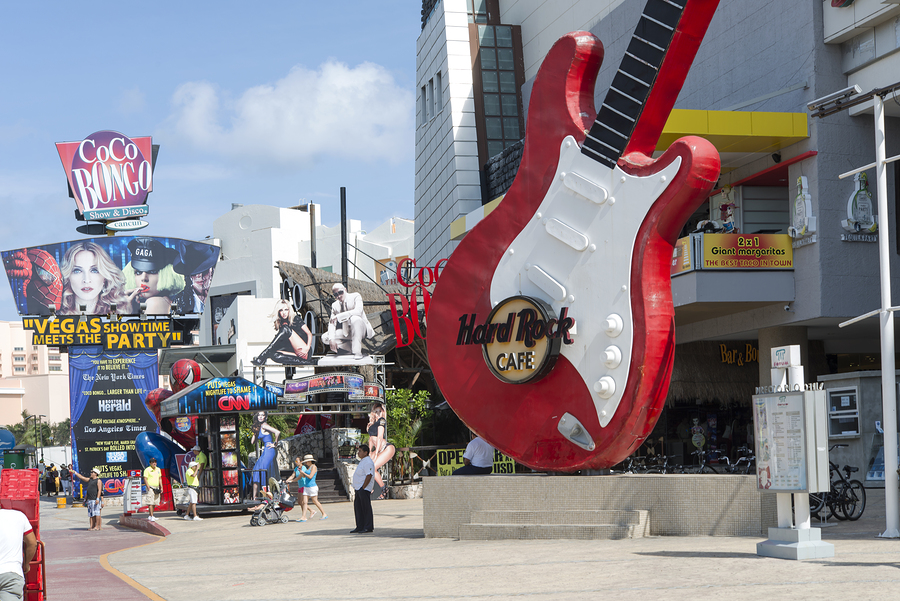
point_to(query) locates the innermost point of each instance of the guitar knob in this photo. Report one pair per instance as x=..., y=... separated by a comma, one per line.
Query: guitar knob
x=614, y=325
x=605, y=387
x=613, y=357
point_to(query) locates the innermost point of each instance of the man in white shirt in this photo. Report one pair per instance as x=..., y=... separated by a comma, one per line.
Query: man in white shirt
x=363, y=484
x=16, y=538
x=478, y=458
x=348, y=325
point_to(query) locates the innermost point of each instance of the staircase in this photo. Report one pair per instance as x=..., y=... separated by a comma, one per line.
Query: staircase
x=584, y=525
x=330, y=488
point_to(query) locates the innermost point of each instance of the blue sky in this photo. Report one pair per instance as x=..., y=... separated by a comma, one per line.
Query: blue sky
x=271, y=103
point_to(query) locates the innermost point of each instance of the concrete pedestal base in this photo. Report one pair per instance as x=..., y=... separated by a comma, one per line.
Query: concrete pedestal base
x=792, y=543
x=677, y=504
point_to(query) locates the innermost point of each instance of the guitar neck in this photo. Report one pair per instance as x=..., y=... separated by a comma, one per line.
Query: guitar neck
x=648, y=81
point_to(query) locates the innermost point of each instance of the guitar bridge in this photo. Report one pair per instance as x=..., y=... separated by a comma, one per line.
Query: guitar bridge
x=573, y=431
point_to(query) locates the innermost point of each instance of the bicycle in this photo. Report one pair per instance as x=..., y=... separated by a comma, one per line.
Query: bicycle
x=745, y=464
x=845, y=499
x=662, y=466
x=703, y=466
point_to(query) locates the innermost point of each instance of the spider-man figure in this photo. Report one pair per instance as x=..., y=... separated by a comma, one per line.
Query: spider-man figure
x=35, y=279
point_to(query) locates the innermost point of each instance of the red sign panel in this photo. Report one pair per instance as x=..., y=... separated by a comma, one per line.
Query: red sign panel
x=109, y=173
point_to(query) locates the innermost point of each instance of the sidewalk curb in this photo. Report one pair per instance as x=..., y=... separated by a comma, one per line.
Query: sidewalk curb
x=143, y=524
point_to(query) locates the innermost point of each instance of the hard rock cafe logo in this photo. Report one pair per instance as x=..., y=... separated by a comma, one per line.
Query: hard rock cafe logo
x=520, y=339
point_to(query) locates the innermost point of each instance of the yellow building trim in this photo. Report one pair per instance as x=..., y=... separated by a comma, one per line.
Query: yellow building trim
x=729, y=131
x=737, y=131
x=461, y=226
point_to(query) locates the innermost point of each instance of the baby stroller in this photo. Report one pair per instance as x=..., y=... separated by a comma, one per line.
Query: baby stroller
x=278, y=502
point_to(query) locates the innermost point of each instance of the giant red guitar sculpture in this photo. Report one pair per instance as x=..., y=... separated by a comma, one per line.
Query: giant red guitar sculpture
x=589, y=226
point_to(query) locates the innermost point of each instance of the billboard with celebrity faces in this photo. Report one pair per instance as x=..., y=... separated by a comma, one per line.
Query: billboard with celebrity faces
x=124, y=275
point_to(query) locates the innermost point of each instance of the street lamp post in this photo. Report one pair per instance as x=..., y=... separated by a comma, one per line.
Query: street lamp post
x=41, y=434
x=823, y=107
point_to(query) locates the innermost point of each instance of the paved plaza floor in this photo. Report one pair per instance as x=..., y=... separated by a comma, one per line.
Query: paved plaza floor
x=224, y=558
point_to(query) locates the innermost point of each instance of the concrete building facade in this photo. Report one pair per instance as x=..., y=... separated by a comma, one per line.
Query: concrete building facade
x=32, y=378
x=247, y=282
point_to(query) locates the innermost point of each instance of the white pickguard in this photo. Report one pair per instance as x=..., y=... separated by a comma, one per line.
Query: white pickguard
x=576, y=252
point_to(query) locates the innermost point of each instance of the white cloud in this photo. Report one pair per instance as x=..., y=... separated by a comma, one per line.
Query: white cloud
x=335, y=111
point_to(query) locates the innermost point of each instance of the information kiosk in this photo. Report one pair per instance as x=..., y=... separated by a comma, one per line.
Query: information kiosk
x=217, y=403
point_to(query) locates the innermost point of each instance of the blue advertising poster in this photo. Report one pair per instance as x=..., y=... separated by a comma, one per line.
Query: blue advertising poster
x=107, y=394
x=219, y=395
x=7, y=442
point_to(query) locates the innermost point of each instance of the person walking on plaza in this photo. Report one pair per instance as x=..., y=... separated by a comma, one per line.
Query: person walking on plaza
x=363, y=484
x=50, y=475
x=298, y=476
x=71, y=479
x=64, y=477
x=192, y=480
x=201, y=458
x=93, y=497
x=153, y=482
x=308, y=469
x=17, y=547
x=478, y=458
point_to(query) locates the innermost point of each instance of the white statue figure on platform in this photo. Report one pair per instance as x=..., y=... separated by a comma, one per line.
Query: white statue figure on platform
x=348, y=325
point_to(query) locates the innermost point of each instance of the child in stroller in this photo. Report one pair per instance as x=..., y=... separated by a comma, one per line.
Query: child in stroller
x=272, y=510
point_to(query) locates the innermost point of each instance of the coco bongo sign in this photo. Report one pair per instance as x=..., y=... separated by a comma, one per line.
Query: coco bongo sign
x=407, y=313
x=109, y=174
x=520, y=339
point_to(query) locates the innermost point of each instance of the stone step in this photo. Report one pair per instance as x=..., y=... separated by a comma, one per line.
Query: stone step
x=548, y=531
x=542, y=517
x=578, y=524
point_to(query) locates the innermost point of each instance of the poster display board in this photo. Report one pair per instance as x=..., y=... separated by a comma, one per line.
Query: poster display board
x=112, y=334
x=787, y=427
x=740, y=251
x=682, y=256
x=133, y=494
x=107, y=393
x=299, y=390
x=452, y=459
x=219, y=395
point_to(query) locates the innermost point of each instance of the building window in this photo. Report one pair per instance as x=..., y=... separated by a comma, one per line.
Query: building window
x=423, y=108
x=498, y=75
x=843, y=413
x=55, y=358
x=55, y=368
x=19, y=348
x=19, y=359
x=430, y=101
x=438, y=94
x=18, y=369
x=477, y=10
